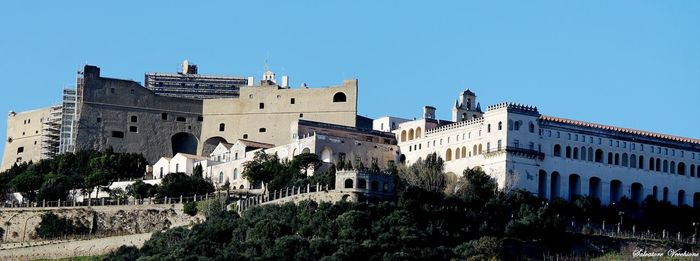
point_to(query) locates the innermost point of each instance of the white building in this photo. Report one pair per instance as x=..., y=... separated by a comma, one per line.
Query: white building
x=555, y=157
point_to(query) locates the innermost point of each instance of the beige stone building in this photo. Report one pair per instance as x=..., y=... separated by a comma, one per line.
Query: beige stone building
x=30, y=136
x=264, y=113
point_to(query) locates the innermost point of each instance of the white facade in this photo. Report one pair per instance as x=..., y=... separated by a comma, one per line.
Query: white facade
x=545, y=155
x=387, y=123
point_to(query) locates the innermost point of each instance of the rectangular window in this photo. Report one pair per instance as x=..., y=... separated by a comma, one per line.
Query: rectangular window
x=200, y=118
x=569, y=136
x=163, y=116
x=133, y=129
x=117, y=134
x=111, y=90
x=488, y=146
x=532, y=146
x=611, y=143
x=292, y=101
x=516, y=143
x=499, y=145
x=181, y=119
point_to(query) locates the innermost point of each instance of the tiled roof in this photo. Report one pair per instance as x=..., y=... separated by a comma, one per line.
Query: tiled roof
x=619, y=129
x=255, y=144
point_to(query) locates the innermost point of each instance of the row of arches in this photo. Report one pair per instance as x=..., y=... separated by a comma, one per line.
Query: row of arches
x=549, y=186
x=462, y=152
x=362, y=184
x=411, y=134
x=625, y=160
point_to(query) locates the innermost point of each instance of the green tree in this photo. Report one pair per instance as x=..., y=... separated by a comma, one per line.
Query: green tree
x=27, y=183
x=55, y=186
x=140, y=189
x=426, y=174
x=180, y=184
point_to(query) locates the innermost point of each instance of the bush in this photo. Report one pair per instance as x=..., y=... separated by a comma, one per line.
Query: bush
x=190, y=208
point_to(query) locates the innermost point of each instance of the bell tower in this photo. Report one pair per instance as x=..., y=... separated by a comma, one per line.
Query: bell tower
x=466, y=107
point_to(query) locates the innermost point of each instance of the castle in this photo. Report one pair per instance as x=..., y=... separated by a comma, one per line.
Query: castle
x=515, y=144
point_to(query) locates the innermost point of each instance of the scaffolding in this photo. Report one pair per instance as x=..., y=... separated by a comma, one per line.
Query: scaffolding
x=51, y=132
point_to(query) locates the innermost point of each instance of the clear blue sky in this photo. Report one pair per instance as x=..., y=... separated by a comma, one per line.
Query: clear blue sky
x=632, y=64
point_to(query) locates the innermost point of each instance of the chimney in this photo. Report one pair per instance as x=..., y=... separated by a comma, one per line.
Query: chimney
x=285, y=81
x=251, y=81
x=428, y=112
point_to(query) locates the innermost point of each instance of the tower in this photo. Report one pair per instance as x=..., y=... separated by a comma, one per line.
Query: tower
x=466, y=107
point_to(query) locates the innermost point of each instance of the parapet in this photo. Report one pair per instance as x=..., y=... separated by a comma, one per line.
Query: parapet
x=515, y=107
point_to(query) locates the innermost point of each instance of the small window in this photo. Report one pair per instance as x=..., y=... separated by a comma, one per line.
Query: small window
x=20, y=150
x=163, y=116
x=292, y=101
x=262, y=130
x=339, y=97
x=117, y=134
x=301, y=115
x=133, y=129
x=134, y=119
x=132, y=91
x=99, y=119
x=245, y=136
x=262, y=105
x=222, y=127
x=111, y=90
x=181, y=119
x=200, y=118
x=250, y=96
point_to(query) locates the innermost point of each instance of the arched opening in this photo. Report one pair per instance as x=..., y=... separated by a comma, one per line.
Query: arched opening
x=681, y=198
x=235, y=174
x=672, y=167
x=568, y=152
x=641, y=162
x=362, y=184
x=651, y=163
x=599, y=156
x=402, y=159
x=221, y=177
x=574, y=186
x=610, y=158
x=583, y=153
x=500, y=125
x=575, y=153
x=625, y=160
x=590, y=154
x=557, y=150
x=615, y=190
x=418, y=132
x=480, y=149
x=633, y=161
x=531, y=127
x=655, y=193
x=665, y=168
x=448, y=155
x=306, y=150
x=457, y=153
x=692, y=170
x=595, y=187
x=210, y=144
x=681, y=168
x=474, y=150
x=554, y=186
x=339, y=97
x=327, y=155
x=348, y=183
x=658, y=164
x=617, y=159
x=665, y=195
x=241, y=187
x=510, y=124
x=542, y=184
x=183, y=143
x=403, y=135
x=464, y=152
x=374, y=185
x=637, y=192
x=222, y=127
x=411, y=134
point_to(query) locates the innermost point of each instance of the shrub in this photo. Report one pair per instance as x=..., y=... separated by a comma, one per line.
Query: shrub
x=190, y=208
x=52, y=226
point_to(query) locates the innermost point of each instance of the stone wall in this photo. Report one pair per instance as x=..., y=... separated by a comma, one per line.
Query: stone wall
x=124, y=115
x=321, y=196
x=20, y=224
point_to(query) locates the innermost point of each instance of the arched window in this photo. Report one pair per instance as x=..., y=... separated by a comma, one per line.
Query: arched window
x=348, y=183
x=480, y=149
x=500, y=125
x=403, y=135
x=610, y=158
x=575, y=153
x=411, y=134
x=221, y=177
x=665, y=168
x=633, y=161
x=362, y=184
x=681, y=168
x=474, y=151
x=510, y=124
x=448, y=155
x=624, y=160
x=651, y=163
x=488, y=128
x=590, y=154
x=583, y=153
x=517, y=125
x=557, y=150
x=457, y=153
x=568, y=152
x=531, y=127
x=464, y=152
x=418, y=132
x=235, y=174
x=692, y=170
x=339, y=97
x=658, y=164
x=673, y=167
x=617, y=158
x=599, y=156
x=374, y=185
x=222, y=127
